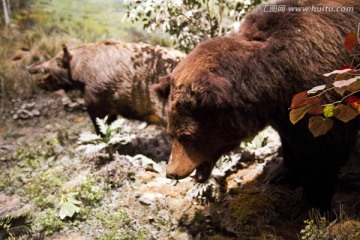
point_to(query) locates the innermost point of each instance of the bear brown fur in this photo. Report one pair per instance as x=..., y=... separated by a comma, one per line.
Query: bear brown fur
x=230, y=87
x=115, y=78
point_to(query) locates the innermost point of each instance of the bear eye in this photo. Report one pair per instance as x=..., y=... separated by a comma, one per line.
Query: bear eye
x=188, y=137
x=60, y=63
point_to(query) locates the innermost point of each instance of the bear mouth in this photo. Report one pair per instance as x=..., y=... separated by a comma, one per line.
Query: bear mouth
x=43, y=81
x=203, y=172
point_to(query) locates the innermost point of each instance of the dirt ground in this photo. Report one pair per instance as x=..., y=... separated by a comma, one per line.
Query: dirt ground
x=130, y=198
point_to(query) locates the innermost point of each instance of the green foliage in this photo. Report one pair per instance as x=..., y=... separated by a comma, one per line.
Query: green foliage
x=45, y=188
x=89, y=192
x=27, y=161
x=120, y=226
x=313, y=102
x=91, y=145
x=316, y=228
x=315, y=231
x=13, y=227
x=189, y=22
x=49, y=221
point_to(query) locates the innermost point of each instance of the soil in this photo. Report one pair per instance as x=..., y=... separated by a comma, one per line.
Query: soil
x=135, y=200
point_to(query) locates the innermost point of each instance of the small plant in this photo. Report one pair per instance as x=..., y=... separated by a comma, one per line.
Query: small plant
x=116, y=133
x=210, y=191
x=316, y=228
x=69, y=205
x=49, y=221
x=313, y=101
x=120, y=225
x=13, y=227
x=89, y=191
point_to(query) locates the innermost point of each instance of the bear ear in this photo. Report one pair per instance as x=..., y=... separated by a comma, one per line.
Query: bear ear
x=162, y=89
x=67, y=54
x=212, y=91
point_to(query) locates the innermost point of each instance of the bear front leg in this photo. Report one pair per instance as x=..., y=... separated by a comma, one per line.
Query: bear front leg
x=318, y=188
x=288, y=172
x=97, y=112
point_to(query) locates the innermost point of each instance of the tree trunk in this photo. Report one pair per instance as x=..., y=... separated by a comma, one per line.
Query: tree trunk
x=8, y=7
x=6, y=12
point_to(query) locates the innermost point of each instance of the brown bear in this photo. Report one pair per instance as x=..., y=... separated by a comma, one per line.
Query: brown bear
x=115, y=78
x=230, y=87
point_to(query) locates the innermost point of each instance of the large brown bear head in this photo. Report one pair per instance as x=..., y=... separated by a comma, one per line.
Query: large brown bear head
x=57, y=72
x=203, y=117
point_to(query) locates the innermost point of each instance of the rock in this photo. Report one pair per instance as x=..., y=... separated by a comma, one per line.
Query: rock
x=181, y=233
x=147, y=176
x=137, y=194
x=150, y=198
x=35, y=113
x=160, y=181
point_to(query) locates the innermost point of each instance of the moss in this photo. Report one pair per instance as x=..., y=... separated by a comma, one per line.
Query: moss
x=89, y=192
x=249, y=209
x=119, y=225
x=44, y=189
x=25, y=164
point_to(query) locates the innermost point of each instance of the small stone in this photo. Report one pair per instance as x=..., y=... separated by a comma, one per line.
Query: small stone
x=24, y=114
x=35, y=112
x=150, y=198
x=159, y=181
x=181, y=233
x=137, y=194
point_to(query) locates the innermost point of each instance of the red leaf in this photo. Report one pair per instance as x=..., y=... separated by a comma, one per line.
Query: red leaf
x=354, y=102
x=315, y=106
x=299, y=100
x=346, y=67
x=319, y=126
x=350, y=41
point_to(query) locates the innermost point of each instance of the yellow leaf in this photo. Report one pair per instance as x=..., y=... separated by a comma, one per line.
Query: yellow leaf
x=329, y=111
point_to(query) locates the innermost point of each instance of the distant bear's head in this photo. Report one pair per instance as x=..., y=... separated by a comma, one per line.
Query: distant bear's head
x=201, y=121
x=57, y=71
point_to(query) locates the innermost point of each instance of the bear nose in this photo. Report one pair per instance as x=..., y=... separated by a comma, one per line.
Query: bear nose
x=172, y=176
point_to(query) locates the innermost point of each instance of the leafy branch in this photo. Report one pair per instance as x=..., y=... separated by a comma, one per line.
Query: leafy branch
x=188, y=21
x=346, y=86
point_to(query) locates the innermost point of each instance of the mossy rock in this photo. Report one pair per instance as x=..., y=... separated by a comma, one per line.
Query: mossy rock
x=349, y=229
x=252, y=210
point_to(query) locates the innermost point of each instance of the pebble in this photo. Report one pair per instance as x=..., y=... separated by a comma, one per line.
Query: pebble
x=150, y=198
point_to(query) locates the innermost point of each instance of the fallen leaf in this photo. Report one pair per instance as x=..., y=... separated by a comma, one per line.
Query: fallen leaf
x=79, y=119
